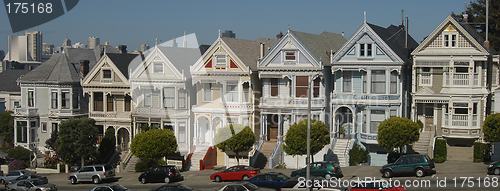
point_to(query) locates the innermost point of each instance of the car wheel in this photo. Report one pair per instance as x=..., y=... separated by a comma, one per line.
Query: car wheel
x=143, y=180
x=419, y=172
x=2, y=181
x=387, y=173
x=96, y=180
x=217, y=179
x=73, y=180
x=245, y=177
x=328, y=176
x=166, y=180
x=496, y=171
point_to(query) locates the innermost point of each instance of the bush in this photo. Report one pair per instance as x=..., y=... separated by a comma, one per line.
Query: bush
x=481, y=152
x=439, y=159
x=393, y=156
x=51, y=161
x=19, y=153
x=358, y=155
x=420, y=124
x=17, y=165
x=145, y=164
x=440, y=150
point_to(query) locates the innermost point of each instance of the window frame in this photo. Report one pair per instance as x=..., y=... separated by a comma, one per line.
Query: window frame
x=393, y=82
x=54, y=94
x=169, y=96
x=65, y=99
x=104, y=74
x=95, y=102
x=301, y=85
x=205, y=93
x=43, y=127
x=246, y=92
x=290, y=55
x=425, y=76
x=220, y=60
x=346, y=80
x=182, y=132
x=75, y=99
x=231, y=93
x=377, y=82
x=110, y=101
x=155, y=64
x=182, y=96
x=274, y=83
x=127, y=104
x=31, y=98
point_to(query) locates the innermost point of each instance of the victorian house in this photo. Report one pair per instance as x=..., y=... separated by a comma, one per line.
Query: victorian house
x=108, y=88
x=286, y=71
x=454, y=75
x=227, y=87
x=368, y=74
x=50, y=94
x=161, y=93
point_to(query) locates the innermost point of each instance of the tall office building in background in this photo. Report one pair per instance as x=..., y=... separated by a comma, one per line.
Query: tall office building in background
x=144, y=47
x=34, y=45
x=92, y=42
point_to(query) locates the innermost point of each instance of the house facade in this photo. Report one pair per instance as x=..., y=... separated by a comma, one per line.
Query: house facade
x=10, y=93
x=454, y=77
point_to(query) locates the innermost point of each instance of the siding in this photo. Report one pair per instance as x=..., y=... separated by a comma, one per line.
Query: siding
x=357, y=83
x=437, y=80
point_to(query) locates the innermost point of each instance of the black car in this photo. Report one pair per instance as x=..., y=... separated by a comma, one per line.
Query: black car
x=419, y=165
x=165, y=174
x=494, y=168
x=173, y=187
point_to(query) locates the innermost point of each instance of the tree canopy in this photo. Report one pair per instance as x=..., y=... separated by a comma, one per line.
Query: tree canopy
x=491, y=128
x=7, y=128
x=236, y=138
x=396, y=132
x=296, y=138
x=107, y=145
x=77, y=139
x=154, y=144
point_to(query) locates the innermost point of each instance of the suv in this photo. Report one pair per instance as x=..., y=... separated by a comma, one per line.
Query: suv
x=323, y=169
x=409, y=164
x=94, y=173
x=161, y=174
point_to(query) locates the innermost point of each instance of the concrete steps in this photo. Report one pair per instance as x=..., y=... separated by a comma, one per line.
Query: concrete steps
x=131, y=164
x=422, y=145
x=341, y=149
x=199, y=153
x=264, y=154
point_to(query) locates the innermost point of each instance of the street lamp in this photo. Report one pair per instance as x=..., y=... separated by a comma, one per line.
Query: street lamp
x=309, y=95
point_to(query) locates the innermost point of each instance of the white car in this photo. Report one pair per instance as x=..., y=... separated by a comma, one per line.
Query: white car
x=13, y=175
x=242, y=186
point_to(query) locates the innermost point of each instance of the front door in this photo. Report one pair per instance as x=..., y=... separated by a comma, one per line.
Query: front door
x=272, y=127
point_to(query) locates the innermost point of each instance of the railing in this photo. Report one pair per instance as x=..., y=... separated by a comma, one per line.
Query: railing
x=26, y=111
x=111, y=115
x=210, y=159
x=460, y=120
x=461, y=79
x=256, y=152
x=186, y=161
x=276, y=155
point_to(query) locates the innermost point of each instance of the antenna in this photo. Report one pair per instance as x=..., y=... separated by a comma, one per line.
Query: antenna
x=402, y=18
x=185, y=42
x=365, y=16
x=219, y=33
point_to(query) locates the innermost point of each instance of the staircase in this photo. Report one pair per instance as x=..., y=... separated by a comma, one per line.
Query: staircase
x=422, y=145
x=199, y=153
x=341, y=149
x=264, y=154
x=131, y=164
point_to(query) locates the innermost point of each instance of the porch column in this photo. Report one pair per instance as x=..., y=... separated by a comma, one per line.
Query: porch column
x=280, y=126
x=435, y=117
x=469, y=114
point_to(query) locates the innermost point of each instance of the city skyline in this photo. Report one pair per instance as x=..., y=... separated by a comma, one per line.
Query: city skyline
x=123, y=23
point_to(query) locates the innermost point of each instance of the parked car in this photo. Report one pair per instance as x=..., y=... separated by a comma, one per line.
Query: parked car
x=173, y=187
x=494, y=168
x=419, y=165
x=110, y=187
x=375, y=185
x=13, y=175
x=74, y=168
x=242, y=186
x=94, y=173
x=239, y=172
x=165, y=174
x=29, y=176
x=317, y=183
x=33, y=184
x=324, y=169
x=270, y=180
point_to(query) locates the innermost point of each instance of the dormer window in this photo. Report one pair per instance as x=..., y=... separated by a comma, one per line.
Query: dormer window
x=365, y=50
x=450, y=37
x=220, y=60
x=290, y=56
x=106, y=74
x=158, y=68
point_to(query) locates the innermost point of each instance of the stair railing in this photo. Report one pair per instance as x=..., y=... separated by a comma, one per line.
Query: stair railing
x=188, y=158
x=210, y=159
x=256, y=152
x=276, y=155
x=125, y=160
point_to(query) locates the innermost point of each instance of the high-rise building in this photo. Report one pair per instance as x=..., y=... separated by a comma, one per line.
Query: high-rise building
x=34, y=45
x=2, y=55
x=229, y=34
x=92, y=42
x=144, y=47
x=66, y=43
x=48, y=49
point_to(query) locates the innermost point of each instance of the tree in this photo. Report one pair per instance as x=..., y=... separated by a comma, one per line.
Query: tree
x=51, y=143
x=236, y=138
x=491, y=128
x=296, y=138
x=396, y=132
x=476, y=12
x=19, y=153
x=77, y=140
x=358, y=155
x=107, y=145
x=154, y=144
x=7, y=129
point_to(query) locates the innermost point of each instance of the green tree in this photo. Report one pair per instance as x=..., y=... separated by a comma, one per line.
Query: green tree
x=358, y=155
x=476, y=11
x=77, y=140
x=396, y=132
x=51, y=143
x=154, y=144
x=236, y=138
x=491, y=128
x=296, y=138
x=19, y=153
x=108, y=145
x=7, y=129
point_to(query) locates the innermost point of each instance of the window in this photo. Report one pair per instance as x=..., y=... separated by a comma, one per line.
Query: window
x=301, y=86
x=232, y=92
x=31, y=98
x=378, y=81
x=182, y=98
x=426, y=76
x=53, y=100
x=65, y=100
x=220, y=60
x=363, y=128
x=109, y=101
x=346, y=81
x=245, y=121
x=365, y=79
x=98, y=101
x=446, y=40
x=377, y=116
x=182, y=132
x=16, y=104
x=169, y=125
x=316, y=85
x=76, y=99
x=207, y=92
x=128, y=103
x=157, y=67
x=22, y=132
x=361, y=49
x=394, y=82
x=368, y=49
x=274, y=87
x=460, y=108
x=106, y=74
x=289, y=55
x=169, y=97
x=233, y=120
x=246, y=92
x=55, y=127
x=453, y=40
x=394, y=113
x=147, y=99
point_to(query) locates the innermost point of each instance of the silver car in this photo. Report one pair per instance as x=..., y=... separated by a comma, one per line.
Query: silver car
x=12, y=175
x=31, y=185
x=94, y=173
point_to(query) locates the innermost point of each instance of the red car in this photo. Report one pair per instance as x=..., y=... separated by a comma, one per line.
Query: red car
x=375, y=185
x=239, y=172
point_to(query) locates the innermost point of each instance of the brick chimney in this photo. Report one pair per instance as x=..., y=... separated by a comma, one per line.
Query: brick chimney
x=466, y=17
x=84, y=67
x=279, y=35
x=262, y=48
x=487, y=44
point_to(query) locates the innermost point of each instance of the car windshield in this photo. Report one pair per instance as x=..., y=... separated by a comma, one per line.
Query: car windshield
x=185, y=188
x=118, y=187
x=108, y=167
x=283, y=176
x=37, y=182
x=251, y=186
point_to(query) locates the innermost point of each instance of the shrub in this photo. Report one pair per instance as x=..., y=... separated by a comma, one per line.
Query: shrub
x=440, y=150
x=393, y=156
x=51, y=161
x=280, y=165
x=358, y=155
x=17, y=165
x=144, y=165
x=481, y=152
x=19, y=153
x=420, y=124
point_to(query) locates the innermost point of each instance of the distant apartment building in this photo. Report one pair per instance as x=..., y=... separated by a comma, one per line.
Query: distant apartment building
x=92, y=42
x=144, y=47
x=34, y=45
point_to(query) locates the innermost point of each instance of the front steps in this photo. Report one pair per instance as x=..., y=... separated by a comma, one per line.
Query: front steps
x=264, y=154
x=341, y=149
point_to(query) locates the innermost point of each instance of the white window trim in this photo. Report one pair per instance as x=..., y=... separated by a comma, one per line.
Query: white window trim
x=28, y=99
x=450, y=34
x=216, y=60
x=243, y=91
x=351, y=90
x=365, y=49
x=58, y=105
x=102, y=74
x=271, y=85
x=237, y=91
x=203, y=93
x=162, y=67
x=68, y=104
x=290, y=51
x=421, y=78
x=175, y=97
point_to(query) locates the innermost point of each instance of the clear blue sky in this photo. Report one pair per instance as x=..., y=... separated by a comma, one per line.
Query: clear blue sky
x=139, y=22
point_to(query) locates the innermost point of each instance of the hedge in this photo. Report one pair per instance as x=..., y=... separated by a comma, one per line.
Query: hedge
x=358, y=155
x=481, y=152
x=440, y=151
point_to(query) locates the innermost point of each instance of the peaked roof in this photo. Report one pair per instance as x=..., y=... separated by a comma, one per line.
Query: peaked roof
x=61, y=67
x=99, y=50
x=478, y=37
x=122, y=61
x=394, y=37
x=8, y=79
x=319, y=45
x=248, y=51
x=182, y=58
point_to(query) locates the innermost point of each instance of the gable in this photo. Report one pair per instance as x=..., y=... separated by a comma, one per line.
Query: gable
x=105, y=71
x=156, y=66
x=219, y=58
x=425, y=91
x=289, y=53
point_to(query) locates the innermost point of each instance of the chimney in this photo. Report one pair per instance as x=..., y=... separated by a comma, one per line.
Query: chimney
x=262, y=48
x=123, y=49
x=342, y=33
x=106, y=43
x=466, y=16
x=279, y=35
x=84, y=67
x=487, y=44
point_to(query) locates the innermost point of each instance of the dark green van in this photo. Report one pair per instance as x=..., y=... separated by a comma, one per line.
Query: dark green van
x=323, y=169
x=419, y=165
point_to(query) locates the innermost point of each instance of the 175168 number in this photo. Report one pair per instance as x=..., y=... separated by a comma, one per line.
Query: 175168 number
x=26, y=7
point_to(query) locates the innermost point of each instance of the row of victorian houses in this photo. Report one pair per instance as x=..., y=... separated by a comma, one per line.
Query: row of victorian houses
x=447, y=81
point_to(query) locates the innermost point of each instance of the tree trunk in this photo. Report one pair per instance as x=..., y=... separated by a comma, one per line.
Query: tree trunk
x=83, y=162
x=237, y=158
x=312, y=158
